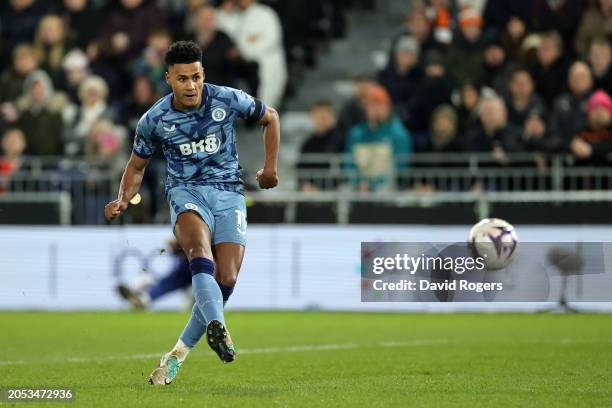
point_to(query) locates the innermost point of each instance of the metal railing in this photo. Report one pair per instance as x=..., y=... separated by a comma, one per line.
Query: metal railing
x=453, y=178
x=464, y=172
x=87, y=184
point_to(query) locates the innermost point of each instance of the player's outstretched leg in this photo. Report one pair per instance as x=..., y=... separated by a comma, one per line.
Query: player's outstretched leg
x=171, y=362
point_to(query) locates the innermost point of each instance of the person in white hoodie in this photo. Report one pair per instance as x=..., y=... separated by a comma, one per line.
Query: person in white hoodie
x=257, y=31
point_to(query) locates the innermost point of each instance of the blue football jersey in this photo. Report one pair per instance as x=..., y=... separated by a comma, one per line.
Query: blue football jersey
x=199, y=145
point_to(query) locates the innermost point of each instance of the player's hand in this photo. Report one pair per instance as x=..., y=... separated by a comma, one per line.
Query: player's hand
x=267, y=179
x=114, y=209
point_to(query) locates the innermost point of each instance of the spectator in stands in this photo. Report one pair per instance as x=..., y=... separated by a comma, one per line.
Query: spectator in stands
x=468, y=98
x=76, y=69
x=228, y=16
x=127, y=29
x=496, y=67
x=549, y=70
x=522, y=100
x=83, y=21
x=569, y=114
x=52, y=44
x=443, y=130
x=19, y=21
x=534, y=134
x=596, y=22
x=151, y=62
x=512, y=40
x=40, y=117
x=143, y=96
x=13, y=144
x=402, y=76
x=433, y=90
x=323, y=139
x=220, y=53
x=600, y=60
x=25, y=61
x=594, y=143
x=104, y=145
x=493, y=132
x=259, y=37
x=379, y=147
x=563, y=16
x=93, y=93
x=439, y=14
x=465, y=57
x=417, y=26
x=353, y=111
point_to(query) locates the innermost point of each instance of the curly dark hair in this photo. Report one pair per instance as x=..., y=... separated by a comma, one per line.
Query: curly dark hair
x=183, y=52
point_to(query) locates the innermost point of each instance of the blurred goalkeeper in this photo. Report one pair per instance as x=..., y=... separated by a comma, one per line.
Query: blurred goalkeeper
x=178, y=278
x=195, y=127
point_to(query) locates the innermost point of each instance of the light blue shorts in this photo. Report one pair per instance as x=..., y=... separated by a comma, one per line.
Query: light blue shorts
x=223, y=211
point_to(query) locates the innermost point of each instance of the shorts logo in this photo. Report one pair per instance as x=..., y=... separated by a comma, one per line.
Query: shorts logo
x=218, y=114
x=191, y=206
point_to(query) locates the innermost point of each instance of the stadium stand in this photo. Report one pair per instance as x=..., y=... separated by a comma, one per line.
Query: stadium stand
x=500, y=104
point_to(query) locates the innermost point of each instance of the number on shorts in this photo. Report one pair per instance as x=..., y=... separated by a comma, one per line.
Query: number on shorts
x=241, y=222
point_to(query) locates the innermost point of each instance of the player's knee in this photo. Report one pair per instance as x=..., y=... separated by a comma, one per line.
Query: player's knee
x=198, y=251
x=227, y=276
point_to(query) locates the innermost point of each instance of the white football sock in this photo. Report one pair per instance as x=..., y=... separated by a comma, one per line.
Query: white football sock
x=180, y=350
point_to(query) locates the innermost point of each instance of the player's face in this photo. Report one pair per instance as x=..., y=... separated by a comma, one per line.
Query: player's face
x=187, y=82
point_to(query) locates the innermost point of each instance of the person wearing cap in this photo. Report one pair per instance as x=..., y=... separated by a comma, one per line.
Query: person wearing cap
x=379, y=147
x=402, y=75
x=465, y=57
x=594, y=142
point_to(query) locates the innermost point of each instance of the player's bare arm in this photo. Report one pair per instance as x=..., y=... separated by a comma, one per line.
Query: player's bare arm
x=268, y=176
x=130, y=184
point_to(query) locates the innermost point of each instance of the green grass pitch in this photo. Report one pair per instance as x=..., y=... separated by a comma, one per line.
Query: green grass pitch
x=317, y=359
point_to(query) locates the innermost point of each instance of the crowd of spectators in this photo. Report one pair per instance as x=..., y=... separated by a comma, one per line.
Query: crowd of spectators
x=76, y=75
x=494, y=77
x=462, y=76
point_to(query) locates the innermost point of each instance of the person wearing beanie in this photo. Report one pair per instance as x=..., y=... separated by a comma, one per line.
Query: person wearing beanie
x=592, y=144
x=465, y=56
x=39, y=115
x=379, y=147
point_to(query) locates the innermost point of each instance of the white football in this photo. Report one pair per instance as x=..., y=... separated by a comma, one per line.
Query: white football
x=495, y=241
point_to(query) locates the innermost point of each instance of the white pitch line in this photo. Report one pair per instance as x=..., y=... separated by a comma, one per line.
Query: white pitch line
x=312, y=347
x=291, y=349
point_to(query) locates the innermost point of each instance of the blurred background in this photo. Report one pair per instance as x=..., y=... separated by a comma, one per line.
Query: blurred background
x=401, y=120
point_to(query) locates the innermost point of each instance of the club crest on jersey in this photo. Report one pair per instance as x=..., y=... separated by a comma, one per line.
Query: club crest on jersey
x=218, y=114
x=208, y=145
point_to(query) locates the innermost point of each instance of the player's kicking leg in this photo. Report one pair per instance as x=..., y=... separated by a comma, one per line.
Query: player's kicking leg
x=194, y=237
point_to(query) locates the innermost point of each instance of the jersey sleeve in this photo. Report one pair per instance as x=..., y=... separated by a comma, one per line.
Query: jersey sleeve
x=247, y=107
x=144, y=140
